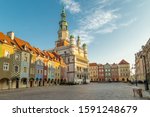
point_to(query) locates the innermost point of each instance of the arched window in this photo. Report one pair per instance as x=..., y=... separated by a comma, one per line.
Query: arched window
x=16, y=69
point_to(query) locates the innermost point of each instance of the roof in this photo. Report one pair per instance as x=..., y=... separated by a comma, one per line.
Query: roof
x=114, y=64
x=25, y=46
x=100, y=65
x=6, y=39
x=123, y=62
x=92, y=64
x=39, y=52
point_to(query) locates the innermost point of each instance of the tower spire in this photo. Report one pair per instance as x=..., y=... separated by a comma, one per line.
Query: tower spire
x=63, y=14
x=63, y=33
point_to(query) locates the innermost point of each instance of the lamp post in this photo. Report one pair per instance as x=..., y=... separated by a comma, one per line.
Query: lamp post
x=146, y=79
x=133, y=68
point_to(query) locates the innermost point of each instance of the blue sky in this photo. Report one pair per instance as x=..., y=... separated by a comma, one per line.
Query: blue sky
x=113, y=29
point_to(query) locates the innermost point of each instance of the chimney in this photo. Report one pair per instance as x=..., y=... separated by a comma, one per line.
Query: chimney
x=11, y=35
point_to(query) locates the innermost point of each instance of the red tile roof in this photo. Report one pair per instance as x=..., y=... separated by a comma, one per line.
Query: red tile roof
x=123, y=62
x=6, y=39
x=21, y=44
x=92, y=64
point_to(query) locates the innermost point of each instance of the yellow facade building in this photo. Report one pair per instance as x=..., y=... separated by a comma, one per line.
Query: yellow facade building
x=124, y=71
x=93, y=69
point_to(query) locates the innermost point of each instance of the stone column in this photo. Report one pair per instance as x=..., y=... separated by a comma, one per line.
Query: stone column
x=27, y=86
x=10, y=84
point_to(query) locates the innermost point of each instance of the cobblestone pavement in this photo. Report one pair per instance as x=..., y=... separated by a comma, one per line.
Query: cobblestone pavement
x=93, y=91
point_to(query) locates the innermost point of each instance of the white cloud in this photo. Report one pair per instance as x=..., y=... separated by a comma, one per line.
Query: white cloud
x=94, y=22
x=112, y=27
x=102, y=1
x=85, y=36
x=128, y=23
x=108, y=29
x=72, y=6
x=97, y=20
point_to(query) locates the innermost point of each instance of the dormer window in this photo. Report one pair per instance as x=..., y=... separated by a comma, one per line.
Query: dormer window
x=17, y=57
x=24, y=47
x=5, y=41
x=7, y=54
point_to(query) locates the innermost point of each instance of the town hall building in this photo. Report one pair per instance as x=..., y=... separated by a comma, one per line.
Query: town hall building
x=74, y=54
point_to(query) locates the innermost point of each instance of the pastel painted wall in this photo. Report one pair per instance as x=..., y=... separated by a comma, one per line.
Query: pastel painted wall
x=25, y=63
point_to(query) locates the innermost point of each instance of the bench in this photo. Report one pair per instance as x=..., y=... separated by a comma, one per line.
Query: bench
x=138, y=91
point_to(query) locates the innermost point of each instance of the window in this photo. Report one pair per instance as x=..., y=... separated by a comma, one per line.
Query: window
x=38, y=62
x=31, y=70
x=16, y=69
x=45, y=72
x=25, y=69
x=7, y=54
x=68, y=60
x=17, y=57
x=6, y=66
x=41, y=71
x=25, y=58
x=32, y=60
x=60, y=35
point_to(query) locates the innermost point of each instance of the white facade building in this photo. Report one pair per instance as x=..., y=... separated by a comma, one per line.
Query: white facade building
x=74, y=55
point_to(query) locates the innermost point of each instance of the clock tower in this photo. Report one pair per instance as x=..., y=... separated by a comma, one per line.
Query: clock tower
x=63, y=33
x=74, y=55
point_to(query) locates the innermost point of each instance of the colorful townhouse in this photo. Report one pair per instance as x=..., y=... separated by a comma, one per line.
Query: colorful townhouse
x=25, y=50
x=6, y=55
x=32, y=68
x=101, y=73
x=45, y=70
x=93, y=68
x=39, y=67
x=124, y=71
x=16, y=60
x=61, y=69
x=107, y=69
x=114, y=72
x=57, y=68
x=51, y=68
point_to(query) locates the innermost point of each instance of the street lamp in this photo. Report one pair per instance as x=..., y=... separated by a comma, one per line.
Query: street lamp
x=146, y=79
x=135, y=76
